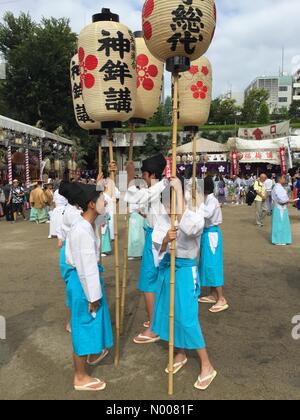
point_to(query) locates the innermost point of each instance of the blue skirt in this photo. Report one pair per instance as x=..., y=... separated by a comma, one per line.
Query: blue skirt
x=149, y=272
x=136, y=235
x=89, y=335
x=33, y=215
x=211, y=268
x=105, y=243
x=188, y=333
x=281, y=227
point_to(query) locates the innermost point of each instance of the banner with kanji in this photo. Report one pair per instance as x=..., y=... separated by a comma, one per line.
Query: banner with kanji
x=268, y=132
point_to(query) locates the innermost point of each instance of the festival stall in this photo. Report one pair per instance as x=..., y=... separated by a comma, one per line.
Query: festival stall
x=23, y=148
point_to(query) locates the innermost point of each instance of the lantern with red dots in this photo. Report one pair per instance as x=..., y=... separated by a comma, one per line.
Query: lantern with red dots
x=82, y=117
x=149, y=72
x=195, y=94
x=178, y=28
x=107, y=59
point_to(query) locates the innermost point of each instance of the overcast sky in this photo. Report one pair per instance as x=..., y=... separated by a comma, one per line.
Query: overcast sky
x=248, y=42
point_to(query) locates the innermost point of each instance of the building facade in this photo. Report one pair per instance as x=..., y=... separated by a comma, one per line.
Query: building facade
x=280, y=88
x=296, y=86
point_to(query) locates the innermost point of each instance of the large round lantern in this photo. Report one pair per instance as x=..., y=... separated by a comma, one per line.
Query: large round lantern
x=107, y=59
x=83, y=119
x=179, y=28
x=149, y=73
x=57, y=165
x=195, y=94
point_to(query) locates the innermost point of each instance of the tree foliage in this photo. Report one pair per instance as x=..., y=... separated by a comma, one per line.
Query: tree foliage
x=253, y=103
x=264, y=113
x=37, y=85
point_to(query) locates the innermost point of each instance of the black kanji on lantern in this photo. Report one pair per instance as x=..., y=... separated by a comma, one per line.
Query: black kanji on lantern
x=187, y=19
x=115, y=71
x=75, y=70
x=118, y=100
x=77, y=90
x=187, y=27
x=119, y=44
x=82, y=115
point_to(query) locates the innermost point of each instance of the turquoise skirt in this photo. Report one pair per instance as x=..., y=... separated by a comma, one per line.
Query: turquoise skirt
x=106, y=244
x=211, y=268
x=188, y=334
x=33, y=215
x=136, y=235
x=281, y=227
x=89, y=335
x=149, y=272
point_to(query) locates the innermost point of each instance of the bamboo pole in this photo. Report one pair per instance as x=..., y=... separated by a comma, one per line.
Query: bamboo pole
x=173, y=244
x=117, y=266
x=100, y=169
x=194, y=201
x=125, y=252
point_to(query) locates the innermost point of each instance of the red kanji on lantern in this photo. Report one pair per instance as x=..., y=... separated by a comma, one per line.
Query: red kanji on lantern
x=87, y=64
x=199, y=90
x=145, y=73
x=147, y=12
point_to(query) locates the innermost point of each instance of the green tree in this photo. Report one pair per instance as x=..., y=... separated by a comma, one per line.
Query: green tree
x=253, y=103
x=37, y=85
x=167, y=111
x=264, y=113
x=223, y=111
x=158, y=119
x=294, y=111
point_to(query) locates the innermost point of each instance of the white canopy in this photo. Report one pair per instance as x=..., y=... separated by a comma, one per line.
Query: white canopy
x=203, y=146
x=17, y=126
x=260, y=145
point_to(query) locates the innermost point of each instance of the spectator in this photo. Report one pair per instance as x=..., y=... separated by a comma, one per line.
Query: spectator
x=16, y=199
x=260, y=200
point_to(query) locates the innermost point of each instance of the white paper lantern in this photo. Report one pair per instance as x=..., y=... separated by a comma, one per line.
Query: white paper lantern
x=107, y=58
x=195, y=93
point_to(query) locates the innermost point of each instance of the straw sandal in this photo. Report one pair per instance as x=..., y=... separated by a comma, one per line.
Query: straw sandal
x=100, y=358
x=177, y=367
x=143, y=339
x=88, y=387
x=219, y=308
x=147, y=324
x=211, y=378
x=207, y=299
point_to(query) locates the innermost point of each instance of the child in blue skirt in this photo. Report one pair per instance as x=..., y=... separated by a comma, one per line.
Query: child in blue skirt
x=90, y=318
x=188, y=334
x=211, y=251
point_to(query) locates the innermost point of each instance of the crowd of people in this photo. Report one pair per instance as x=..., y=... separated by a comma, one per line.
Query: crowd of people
x=81, y=215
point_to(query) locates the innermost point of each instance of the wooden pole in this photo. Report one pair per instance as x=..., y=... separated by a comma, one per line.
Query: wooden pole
x=173, y=244
x=125, y=252
x=100, y=169
x=117, y=266
x=194, y=203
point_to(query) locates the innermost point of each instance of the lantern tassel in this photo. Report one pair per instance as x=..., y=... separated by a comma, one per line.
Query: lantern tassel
x=117, y=266
x=125, y=253
x=173, y=243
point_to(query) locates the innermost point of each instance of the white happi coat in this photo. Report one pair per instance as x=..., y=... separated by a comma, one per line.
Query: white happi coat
x=189, y=232
x=149, y=198
x=83, y=252
x=56, y=214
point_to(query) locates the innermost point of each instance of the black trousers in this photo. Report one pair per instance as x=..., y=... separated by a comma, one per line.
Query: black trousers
x=8, y=212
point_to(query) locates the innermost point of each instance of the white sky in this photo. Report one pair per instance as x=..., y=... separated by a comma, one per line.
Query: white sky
x=248, y=41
